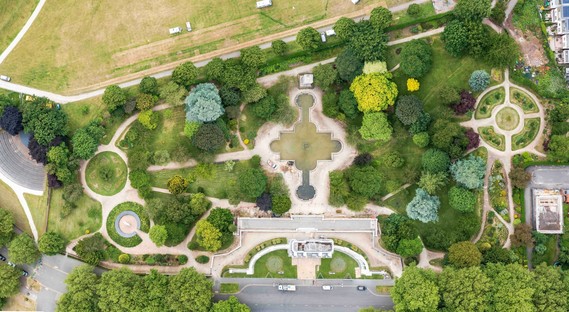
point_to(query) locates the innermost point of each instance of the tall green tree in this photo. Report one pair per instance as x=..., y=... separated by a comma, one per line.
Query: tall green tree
x=464, y=254
x=349, y=65
x=325, y=75
x=158, y=235
x=513, y=287
x=365, y=181
x=204, y=104
x=114, y=97
x=408, y=109
x=148, y=85
x=309, y=39
x=467, y=10
x=368, y=43
x=464, y=290
x=253, y=57
x=86, y=140
x=374, y=92
x=10, y=278
x=81, y=292
x=51, y=243
x=375, y=126
x=151, y=292
x=23, y=250
x=380, y=17
x=416, y=290
x=252, y=183
x=115, y=290
x=221, y=219
x=469, y=172
x=45, y=123
x=232, y=304
x=344, y=27
x=423, y=207
x=416, y=58
x=6, y=226
x=279, y=47
x=455, y=38
x=208, y=236
x=551, y=294
x=185, y=74
x=190, y=289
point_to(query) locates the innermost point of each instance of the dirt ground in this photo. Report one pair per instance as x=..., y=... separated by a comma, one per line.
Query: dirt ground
x=19, y=303
x=530, y=46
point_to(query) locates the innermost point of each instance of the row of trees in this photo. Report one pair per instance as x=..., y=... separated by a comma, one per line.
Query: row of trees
x=122, y=290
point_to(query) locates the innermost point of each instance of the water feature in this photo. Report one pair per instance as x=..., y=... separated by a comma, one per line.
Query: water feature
x=305, y=145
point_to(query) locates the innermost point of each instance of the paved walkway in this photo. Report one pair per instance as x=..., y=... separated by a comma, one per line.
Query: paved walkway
x=22, y=32
x=505, y=156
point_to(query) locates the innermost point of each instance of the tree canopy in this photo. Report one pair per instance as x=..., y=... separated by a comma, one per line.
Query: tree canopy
x=469, y=172
x=209, y=138
x=455, y=38
x=23, y=250
x=375, y=126
x=366, y=181
x=45, y=123
x=368, y=42
x=416, y=58
x=374, y=92
x=479, y=80
x=416, y=290
x=185, y=74
x=461, y=199
x=204, y=104
x=158, y=235
x=309, y=39
x=232, y=304
x=11, y=120
x=148, y=85
x=423, y=207
x=6, y=226
x=380, y=17
x=408, y=109
x=464, y=290
x=86, y=140
x=51, y=243
x=467, y=10
x=344, y=27
x=114, y=97
x=349, y=65
x=253, y=57
x=325, y=75
x=10, y=278
x=252, y=182
x=434, y=160
x=464, y=254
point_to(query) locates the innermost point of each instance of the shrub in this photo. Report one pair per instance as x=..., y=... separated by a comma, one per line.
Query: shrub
x=393, y=160
x=421, y=139
x=148, y=119
x=202, y=259
x=124, y=258
x=182, y=259
x=413, y=85
x=434, y=160
x=461, y=199
x=414, y=10
x=479, y=80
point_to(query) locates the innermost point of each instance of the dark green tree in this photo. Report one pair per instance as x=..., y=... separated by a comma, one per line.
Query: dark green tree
x=221, y=218
x=416, y=58
x=464, y=254
x=467, y=10
x=252, y=183
x=265, y=108
x=344, y=28
x=455, y=38
x=464, y=290
x=325, y=75
x=86, y=140
x=253, y=57
x=366, y=181
x=10, y=278
x=434, y=160
x=51, y=243
x=349, y=65
x=348, y=103
x=115, y=290
x=148, y=85
x=368, y=43
x=281, y=204
x=408, y=109
x=23, y=250
x=309, y=39
x=185, y=74
x=380, y=17
x=45, y=123
x=114, y=97
x=503, y=51
x=279, y=47
x=209, y=138
x=214, y=69
x=91, y=249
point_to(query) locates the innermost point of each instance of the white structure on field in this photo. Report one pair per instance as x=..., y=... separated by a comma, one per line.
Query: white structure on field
x=188, y=26
x=548, y=211
x=175, y=30
x=306, y=81
x=264, y=3
x=311, y=248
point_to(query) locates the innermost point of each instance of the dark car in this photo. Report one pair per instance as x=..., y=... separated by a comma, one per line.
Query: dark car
x=25, y=273
x=361, y=288
x=2, y=258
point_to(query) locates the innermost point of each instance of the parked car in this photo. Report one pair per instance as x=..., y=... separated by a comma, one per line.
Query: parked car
x=272, y=164
x=5, y=78
x=25, y=273
x=2, y=258
x=323, y=36
x=327, y=287
x=361, y=288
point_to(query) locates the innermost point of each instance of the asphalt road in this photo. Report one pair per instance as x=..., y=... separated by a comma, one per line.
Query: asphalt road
x=309, y=298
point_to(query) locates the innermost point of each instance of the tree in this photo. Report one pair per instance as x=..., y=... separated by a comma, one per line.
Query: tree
x=507, y=278
x=309, y=39
x=432, y=182
x=221, y=219
x=10, y=278
x=409, y=247
x=45, y=123
x=11, y=120
x=145, y=101
x=86, y=140
x=380, y=17
x=253, y=94
x=348, y=103
x=209, y=138
x=449, y=137
x=395, y=228
x=114, y=289
x=464, y=254
x=434, y=161
x=558, y=148
x=208, y=236
x=466, y=103
x=51, y=243
x=498, y=12
x=421, y=139
x=363, y=159
x=114, y=97
x=91, y=249
x=253, y=57
x=232, y=304
x=368, y=43
x=479, y=80
x=81, y=291
x=461, y=199
x=237, y=75
x=23, y=250
x=366, y=181
x=229, y=96
x=177, y=184
x=416, y=58
x=158, y=235
x=503, y=51
x=279, y=47
x=421, y=125
x=408, y=109
x=281, y=204
x=265, y=202
x=449, y=95
x=6, y=226
x=185, y=74
x=325, y=75
x=148, y=85
x=148, y=119
x=550, y=293
x=455, y=38
x=349, y=65
x=467, y=10
x=473, y=139
x=252, y=183
x=190, y=289
x=344, y=27
x=204, y=103
x=423, y=207
x=519, y=177
x=265, y=108
x=469, y=172
x=464, y=290
x=199, y=204
x=414, y=10
x=375, y=126
x=478, y=38
x=374, y=92
x=213, y=70
x=173, y=94
x=416, y=290
x=152, y=292
x=522, y=235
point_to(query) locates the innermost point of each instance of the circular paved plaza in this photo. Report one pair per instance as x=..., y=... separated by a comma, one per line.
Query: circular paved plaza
x=127, y=223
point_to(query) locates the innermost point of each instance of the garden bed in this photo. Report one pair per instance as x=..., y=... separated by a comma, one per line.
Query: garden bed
x=497, y=191
x=523, y=100
x=494, y=139
x=488, y=102
x=495, y=233
x=144, y=224
x=528, y=134
x=106, y=174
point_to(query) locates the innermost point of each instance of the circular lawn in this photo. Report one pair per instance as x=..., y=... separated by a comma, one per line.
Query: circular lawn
x=106, y=174
x=507, y=119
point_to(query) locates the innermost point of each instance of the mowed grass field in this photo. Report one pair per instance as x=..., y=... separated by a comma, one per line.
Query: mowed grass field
x=10, y=202
x=13, y=16
x=76, y=44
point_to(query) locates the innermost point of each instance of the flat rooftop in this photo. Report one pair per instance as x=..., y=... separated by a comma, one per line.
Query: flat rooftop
x=301, y=223
x=321, y=245
x=548, y=207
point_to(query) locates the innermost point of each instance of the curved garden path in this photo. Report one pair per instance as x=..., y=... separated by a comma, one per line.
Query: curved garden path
x=505, y=157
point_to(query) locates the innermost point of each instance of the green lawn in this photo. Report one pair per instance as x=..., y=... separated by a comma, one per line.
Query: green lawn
x=79, y=114
x=269, y=266
x=10, y=202
x=340, y=266
x=212, y=179
x=106, y=173
x=427, y=9
x=144, y=224
x=528, y=134
x=507, y=118
x=488, y=102
x=38, y=208
x=228, y=288
x=85, y=218
x=13, y=16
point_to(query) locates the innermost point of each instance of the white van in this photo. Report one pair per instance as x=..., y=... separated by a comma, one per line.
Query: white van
x=327, y=287
x=323, y=36
x=188, y=26
x=5, y=78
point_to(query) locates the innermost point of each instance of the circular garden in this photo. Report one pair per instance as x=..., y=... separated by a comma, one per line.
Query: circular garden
x=507, y=119
x=106, y=174
x=123, y=222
